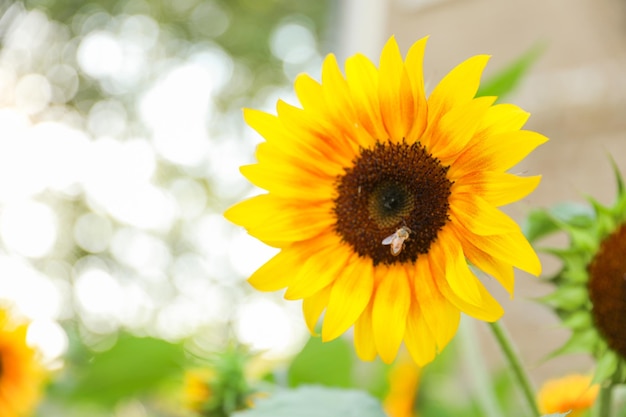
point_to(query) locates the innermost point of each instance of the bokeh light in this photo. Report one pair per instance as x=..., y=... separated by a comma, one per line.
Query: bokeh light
x=122, y=137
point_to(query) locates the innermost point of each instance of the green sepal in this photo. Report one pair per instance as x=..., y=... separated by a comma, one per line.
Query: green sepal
x=574, y=275
x=575, y=263
x=584, y=239
x=580, y=342
x=572, y=257
x=620, y=373
x=606, y=367
x=566, y=297
x=578, y=320
x=619, y=208
x=605, y=220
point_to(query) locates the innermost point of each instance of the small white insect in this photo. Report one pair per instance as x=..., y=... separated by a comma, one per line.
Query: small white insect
x=397, y=239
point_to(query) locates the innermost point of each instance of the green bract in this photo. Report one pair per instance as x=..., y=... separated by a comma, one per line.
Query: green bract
x=595, y=244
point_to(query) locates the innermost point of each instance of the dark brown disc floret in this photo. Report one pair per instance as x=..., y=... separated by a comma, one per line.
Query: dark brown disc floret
x=389, y=187
x=607, y=290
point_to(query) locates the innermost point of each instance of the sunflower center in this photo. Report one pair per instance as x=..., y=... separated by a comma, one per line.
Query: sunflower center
x=393, y=193
x=607, y=290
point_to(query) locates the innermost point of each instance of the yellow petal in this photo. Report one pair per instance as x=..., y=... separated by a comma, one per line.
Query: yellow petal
x=489, y=309
x=415, y=71
x=497, y=188
x=389, y=313
x=478, y=216
x=397, y=105
x=278, y=221
x=440, y=315
x=330, y=139
x=349, y=296
x=283, y=180
x=459, y=86
x=278, y=272
x=313, y=306
x=502, y=118
x=310, y=94
x=459, y=277
x=268, y=125
x=418, y=338
x=320, y=268
x=497, y=153
x=272, y=178
x=336, y=93
x=364, y=336
x=362, y=77
x=450, y=136
x=282, y=141
x=512, y=248
x=498, y=269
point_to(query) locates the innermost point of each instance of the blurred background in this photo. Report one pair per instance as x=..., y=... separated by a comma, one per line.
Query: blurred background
x=121, y=138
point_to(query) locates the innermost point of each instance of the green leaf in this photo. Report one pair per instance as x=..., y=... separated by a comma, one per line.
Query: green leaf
x=578, y=320
x=327, y=363
x=567, y=297
x=506, y=80
x=574, y=259
x=134, y=365
x=557, y=414
x=315, y=401
x=579, y=342
x=538, y=224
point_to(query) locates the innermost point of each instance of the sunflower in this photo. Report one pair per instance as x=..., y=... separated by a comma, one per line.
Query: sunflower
x=21, y=374
x=379, y=196
x=572, y=393
x=590, y=287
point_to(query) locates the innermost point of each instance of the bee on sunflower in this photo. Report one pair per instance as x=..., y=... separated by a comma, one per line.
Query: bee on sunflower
x=378, y=197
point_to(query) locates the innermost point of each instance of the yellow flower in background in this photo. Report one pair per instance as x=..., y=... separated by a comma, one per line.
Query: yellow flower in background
x=379, y=196
x=573, y=393
x=21, y=373
x=404, y=379
x=197, y=388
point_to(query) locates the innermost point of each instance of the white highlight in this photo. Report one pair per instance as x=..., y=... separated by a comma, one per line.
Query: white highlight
x=267, y=326
x=49, y=337
x=29, y=228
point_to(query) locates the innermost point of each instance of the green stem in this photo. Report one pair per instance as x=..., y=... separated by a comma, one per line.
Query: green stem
x=603, y=408
x=511, y=355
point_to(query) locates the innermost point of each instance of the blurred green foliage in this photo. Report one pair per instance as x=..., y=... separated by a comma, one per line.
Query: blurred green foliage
x=133, y=366
x=241, y=27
